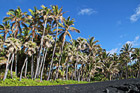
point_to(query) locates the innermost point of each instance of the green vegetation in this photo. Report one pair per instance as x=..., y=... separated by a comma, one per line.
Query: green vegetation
x=30, y=82
x=34, y=46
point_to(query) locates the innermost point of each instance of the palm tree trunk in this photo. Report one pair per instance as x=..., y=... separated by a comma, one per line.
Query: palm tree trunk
x=26, y=67
x=41, y=63
x=16, y=64
x=126, y=71
x=110, y=77
x=7, y=67
x=41, y=44
x=67, y=71
x=32, y=67
x=50, y=70
x=23, y=67
x=60, y=59
x=44, y=59
x=76, y=67
x=12, y=65
x=79, y=75
x=32, y=62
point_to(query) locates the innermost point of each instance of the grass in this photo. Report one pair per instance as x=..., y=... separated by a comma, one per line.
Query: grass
x=30, y=82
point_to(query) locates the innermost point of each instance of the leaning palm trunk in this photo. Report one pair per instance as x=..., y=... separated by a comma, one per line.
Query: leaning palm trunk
x=60, y=59
x=32, y=67
x=41, y=63
x=25, y=61
x=26, y=67
x=32, y=64
x=79, y=74
x=16, y=65
x=76, y=67
x=138, y=76
x=53, y=55
x=7, y=67
x=41, y=44
x=126, y=71
x=12, y=59
x=44, y=59
x=67, y=71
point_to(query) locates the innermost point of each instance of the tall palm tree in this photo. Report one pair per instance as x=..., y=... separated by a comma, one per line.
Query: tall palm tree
x=48, y=40
x=66, y=31
x=34, y=21
x=136, y=56
x=13, y=45
x=57, y=16
x=46, y=14
x=80, y=45
x=17, y=18
x=29, y=49
x=125, y=55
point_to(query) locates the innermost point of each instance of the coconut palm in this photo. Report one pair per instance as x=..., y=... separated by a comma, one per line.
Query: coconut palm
x=110, y=69
x=125, y=56
x=66, y=31
x=48, y=40
x=92, y=52
x=5, y=29
x=46, y=15
x=80, y=44
x=30, y=49
x=57, y=15
x=136, y=56
x=13, y=46
x=17, y=18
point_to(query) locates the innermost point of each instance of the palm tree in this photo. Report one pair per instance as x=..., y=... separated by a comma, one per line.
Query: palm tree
x=48, y=40
x=67, y=27
x=34, y=21
x=5, y=27
x=46, y=15
x=92, y=52
x=80, y=44
x=136, y=56
x=17, y=18
x=68, y=52
x=57, y=15
x=110, y=68
x=13, y=46
x=125, y=56
x=30, y=49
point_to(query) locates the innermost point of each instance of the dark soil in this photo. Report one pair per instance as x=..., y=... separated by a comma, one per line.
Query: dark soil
x=118, y=86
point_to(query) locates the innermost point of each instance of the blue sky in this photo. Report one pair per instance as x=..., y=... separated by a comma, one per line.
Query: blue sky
x=112, y=22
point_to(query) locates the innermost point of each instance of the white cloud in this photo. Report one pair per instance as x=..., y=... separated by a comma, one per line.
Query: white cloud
x=135, y=16
x=113, y=51
x=134, y=42
x=87, y=11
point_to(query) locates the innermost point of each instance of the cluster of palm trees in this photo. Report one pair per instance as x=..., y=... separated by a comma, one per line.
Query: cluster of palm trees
x=35, y=46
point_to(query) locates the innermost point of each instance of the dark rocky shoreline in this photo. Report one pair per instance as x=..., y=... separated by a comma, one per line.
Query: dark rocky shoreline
x=118, y=86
